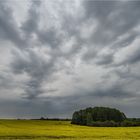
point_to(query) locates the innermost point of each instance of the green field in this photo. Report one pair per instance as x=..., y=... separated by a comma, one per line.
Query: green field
x=62, y=130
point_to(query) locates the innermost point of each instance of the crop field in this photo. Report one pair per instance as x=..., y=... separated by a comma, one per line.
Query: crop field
x=62, y=130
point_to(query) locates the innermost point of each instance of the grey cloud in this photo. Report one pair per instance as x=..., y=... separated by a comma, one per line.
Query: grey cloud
x=37, y=68
x=60, y=107
x=117, y=23
x=8, y=27
x=113, y=92
x=31, y=24
x=50, y=37
x=100, y=9
x=134, y=58
x=105, y=59
x=89, y=55
x=126, y=40
x=4, y=80
x=116, y=90
x=127, y=74
x=114, y=19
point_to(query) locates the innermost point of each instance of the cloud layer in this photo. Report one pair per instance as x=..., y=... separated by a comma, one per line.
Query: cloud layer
x=59, y=56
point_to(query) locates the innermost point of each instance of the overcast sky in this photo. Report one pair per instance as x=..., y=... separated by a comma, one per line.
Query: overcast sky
x=58, y=56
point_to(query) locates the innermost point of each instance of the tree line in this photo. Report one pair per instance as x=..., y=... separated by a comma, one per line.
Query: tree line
x=102, y=116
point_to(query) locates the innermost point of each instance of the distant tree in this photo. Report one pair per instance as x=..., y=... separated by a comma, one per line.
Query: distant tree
x=76, y=119
x=98, y=114
x=42, y=118
x=89, y=119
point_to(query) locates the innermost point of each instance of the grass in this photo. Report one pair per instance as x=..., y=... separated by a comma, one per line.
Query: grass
x=62, y=130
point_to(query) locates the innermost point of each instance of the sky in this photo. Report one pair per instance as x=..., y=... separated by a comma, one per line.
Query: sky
x=58, y=56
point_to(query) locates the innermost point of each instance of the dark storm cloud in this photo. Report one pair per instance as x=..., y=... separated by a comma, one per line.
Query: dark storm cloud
x=63, y=106
x=115, y=91
x=36, y=67
x=59, y=107
x=127, y=74
x=50, y=37
x=38, y=70
x=135, y=58
x=115, y=18
x=32, y=63
x=8, y=27
x=127, y=40
x=105, y=59
x=31, y=24
x=4, y=80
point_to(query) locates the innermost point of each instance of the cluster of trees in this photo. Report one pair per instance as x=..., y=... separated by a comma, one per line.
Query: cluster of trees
x=99, y=116
x=54, y=119
x=131, y=122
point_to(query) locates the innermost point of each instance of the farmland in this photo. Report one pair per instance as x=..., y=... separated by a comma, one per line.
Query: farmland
x=62, y=130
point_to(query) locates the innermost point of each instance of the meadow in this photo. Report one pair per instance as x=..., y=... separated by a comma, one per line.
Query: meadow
x=62, y=130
